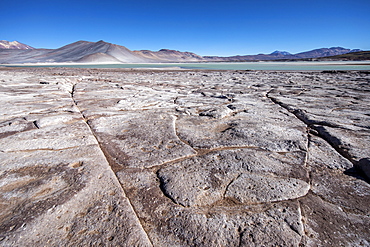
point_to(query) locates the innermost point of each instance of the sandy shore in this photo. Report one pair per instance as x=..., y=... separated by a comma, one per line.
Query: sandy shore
x=142, y=157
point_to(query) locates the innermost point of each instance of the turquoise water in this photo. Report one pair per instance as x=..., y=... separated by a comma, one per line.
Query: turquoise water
x=363, y=65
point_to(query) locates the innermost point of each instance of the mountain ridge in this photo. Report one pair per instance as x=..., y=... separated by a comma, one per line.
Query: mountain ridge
x=4, y=44
x=103, y=52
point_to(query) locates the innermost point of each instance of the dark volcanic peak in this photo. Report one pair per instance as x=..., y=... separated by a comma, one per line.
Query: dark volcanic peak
x=168, y=51
x=102, y=41
x=14, y=45
x=284, y=53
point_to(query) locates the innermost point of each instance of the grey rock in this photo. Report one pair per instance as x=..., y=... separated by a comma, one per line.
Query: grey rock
x=171, y=224
x=137, y=143
x=354, y=145
x=248, y=130
x=328, y=225
x=252, y=188
x=364, y=165
x=322, y=154
x=349, y=193
x=216, y=176
x=218, y=112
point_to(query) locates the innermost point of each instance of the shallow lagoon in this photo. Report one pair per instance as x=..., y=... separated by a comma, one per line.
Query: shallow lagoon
x=334, y=65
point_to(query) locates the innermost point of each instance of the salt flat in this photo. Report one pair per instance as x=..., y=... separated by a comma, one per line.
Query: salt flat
x=122, y=157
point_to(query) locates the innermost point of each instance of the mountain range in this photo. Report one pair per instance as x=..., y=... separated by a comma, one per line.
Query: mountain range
x=283, y=55
x=103, y=52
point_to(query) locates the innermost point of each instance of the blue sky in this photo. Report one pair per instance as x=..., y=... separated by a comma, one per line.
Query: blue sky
x=215, y=27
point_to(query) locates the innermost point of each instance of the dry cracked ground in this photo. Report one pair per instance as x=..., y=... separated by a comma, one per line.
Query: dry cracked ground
x=104, y=157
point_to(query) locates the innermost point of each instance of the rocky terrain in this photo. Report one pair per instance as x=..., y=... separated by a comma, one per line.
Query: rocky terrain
x=115, y=157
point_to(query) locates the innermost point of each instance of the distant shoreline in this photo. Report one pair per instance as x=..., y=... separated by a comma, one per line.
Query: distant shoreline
x=263, y=65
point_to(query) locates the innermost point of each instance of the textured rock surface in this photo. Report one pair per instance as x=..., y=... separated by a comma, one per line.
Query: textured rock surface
x=184, y=158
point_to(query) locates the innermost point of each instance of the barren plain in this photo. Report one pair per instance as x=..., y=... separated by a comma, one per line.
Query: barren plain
x=122, y=157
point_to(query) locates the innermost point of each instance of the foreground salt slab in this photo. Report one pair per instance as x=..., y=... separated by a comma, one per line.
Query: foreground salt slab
x=138, y=143
x=238, y=175
x=55, y=180
x=183, y=158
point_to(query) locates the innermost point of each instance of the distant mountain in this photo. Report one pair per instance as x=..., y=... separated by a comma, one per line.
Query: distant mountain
x=103, y=52
x=352, y=56
x=283, y=53
x=325, y=52
x=14, y=45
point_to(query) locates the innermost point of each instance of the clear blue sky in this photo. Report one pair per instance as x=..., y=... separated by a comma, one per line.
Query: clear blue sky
x=214, y=27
